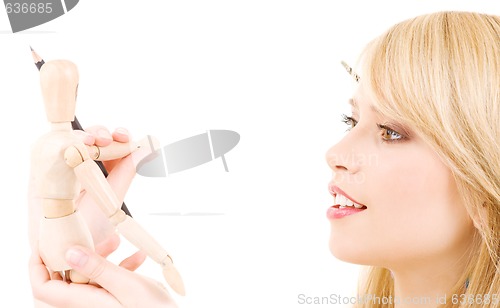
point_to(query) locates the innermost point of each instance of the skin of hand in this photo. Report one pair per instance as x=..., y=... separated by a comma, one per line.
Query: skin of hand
x=114, y=286
x=111, y=285
x=120, y=175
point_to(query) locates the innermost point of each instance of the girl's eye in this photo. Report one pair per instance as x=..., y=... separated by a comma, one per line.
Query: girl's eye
x=388, y=134
x=349, y=121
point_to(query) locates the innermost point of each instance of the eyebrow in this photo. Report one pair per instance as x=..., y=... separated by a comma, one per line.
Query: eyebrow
x=353, y=103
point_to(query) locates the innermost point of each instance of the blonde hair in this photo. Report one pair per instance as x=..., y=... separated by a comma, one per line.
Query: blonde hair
x=440, y=75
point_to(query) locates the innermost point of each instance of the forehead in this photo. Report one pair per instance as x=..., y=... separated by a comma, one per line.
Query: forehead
x=361, y=95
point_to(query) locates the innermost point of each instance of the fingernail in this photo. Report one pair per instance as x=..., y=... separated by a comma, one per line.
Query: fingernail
x=88, y=140
x=122, y=131
x=103, y=134
x=76, y=257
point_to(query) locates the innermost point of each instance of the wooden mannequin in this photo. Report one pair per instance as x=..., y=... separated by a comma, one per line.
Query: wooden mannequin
x=63, y=164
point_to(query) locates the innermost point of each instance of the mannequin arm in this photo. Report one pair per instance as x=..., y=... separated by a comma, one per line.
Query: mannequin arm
x=95, y=184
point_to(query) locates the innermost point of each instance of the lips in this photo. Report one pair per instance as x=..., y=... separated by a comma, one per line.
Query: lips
x=344, y=205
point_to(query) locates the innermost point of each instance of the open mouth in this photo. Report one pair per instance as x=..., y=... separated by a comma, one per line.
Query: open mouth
x=341, y=201
x=343, y=204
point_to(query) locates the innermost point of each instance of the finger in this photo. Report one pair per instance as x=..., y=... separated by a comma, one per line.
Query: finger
x=58, y=293
x=38, y=271
x=87, y=138
x=101, y=134
x=134, y=261
x=91, y=265
x=106, y=247
x=121, y=135
x=124, y=170
x=117, y=280
x=120, y=176
x=43, y=288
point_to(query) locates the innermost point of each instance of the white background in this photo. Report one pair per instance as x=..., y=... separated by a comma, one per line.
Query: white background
x=268, y=70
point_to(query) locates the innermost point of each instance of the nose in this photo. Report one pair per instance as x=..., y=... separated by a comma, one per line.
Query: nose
x=345, y=156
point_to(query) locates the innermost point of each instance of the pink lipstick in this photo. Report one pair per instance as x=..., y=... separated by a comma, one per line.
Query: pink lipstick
x=344, y=205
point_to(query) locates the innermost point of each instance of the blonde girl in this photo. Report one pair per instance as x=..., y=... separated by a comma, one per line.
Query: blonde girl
x=424, y=216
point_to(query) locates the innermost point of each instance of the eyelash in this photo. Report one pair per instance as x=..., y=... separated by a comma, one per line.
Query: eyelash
x=351, y=122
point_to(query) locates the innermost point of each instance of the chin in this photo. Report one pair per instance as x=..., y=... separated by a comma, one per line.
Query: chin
x=349, y=251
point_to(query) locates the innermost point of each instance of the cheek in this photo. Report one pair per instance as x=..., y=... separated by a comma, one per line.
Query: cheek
x=444, y=222
x=413, y=212
x=421, y=215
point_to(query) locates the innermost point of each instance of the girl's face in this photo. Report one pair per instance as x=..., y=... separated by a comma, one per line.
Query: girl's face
x=410, y=211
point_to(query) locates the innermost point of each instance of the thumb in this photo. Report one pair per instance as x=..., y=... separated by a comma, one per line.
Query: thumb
x=93, y=266
x=128, y=287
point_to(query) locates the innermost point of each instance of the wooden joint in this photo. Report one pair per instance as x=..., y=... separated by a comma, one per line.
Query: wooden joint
x=94, y=152
x=75, y=155
x=165, y=262
x=118, y=217
x=55, y=208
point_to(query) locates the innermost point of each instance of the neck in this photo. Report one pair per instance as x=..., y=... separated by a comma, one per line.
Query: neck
x=61, y=126
x=417, y=290
x=427, y=285
x=425, y=282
